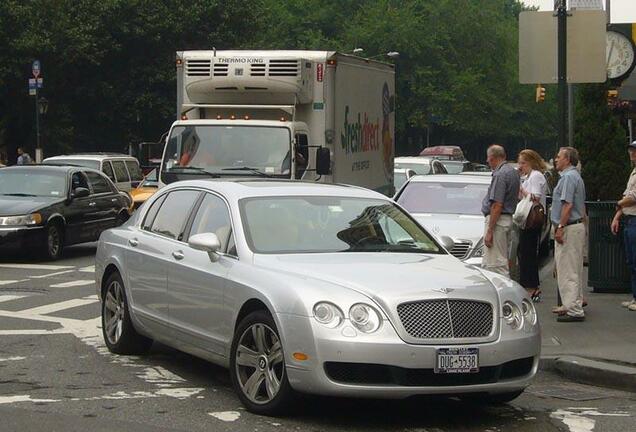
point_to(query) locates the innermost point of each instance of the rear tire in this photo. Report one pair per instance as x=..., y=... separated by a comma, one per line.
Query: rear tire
x=259, y=376
x=54, y=242
x=119, y=333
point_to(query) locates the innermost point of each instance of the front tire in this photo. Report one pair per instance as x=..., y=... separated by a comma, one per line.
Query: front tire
x=119, y=333
x=257, y=366
x=54, y=242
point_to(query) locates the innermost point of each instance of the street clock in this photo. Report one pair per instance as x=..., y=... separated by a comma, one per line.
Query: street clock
x=620, y=55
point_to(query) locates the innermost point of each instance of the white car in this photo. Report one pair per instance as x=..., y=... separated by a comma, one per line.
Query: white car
x=450, y=205
x=421, y=165
x=311, y=288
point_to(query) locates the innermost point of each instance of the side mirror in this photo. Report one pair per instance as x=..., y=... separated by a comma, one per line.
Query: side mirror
x=323, y=161
x=206, y=242
x=410, y=173
x=80, y=192
x=447, y=242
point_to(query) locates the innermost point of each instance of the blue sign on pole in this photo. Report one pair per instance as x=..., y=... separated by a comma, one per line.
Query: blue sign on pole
x=32, y=86
x=36, y=68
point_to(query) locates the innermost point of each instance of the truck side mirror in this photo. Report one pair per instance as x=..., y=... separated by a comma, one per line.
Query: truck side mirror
x=323, y=161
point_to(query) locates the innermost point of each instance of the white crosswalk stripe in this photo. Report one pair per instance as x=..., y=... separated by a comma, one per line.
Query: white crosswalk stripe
x=8, y=297
x=74, y=283
x=56, y=307
x=35, y=267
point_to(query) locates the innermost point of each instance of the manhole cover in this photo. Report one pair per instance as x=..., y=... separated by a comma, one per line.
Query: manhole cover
x=571, y=394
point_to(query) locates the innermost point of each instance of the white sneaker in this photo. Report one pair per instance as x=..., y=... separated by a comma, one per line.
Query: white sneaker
x=632, y=307
x=629, y=303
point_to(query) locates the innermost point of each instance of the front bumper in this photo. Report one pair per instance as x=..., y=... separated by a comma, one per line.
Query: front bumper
x=20, y=238
x=382, y=365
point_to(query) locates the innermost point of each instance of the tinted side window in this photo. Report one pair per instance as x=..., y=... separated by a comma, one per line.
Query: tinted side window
x=120, y=171
x=99, y=183
x=134, y=170
x=173, y=214
x=79, y=180
x=213, y=217
x=152, y=213
x=108, y=170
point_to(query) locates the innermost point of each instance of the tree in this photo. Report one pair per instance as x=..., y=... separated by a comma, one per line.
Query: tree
x=602, y=144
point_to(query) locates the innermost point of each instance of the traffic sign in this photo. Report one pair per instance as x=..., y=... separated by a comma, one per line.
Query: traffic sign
x=36, y=68
x=32, y=86
x=40, y=82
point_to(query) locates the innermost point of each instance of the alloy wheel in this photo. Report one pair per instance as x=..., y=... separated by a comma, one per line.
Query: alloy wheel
x=114, y=312
x=259, y=363
x=54, y=241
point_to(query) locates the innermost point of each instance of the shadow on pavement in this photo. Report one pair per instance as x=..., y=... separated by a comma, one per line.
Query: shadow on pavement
x=34, y=257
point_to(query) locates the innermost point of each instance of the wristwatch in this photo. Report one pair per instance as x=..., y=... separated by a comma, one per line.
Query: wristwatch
x=560, y=226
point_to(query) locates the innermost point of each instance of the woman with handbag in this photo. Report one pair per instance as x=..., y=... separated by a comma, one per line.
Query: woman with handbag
x=533, y=185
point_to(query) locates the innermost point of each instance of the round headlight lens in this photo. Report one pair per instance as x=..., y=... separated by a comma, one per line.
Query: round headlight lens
x=365, y=318
x=529, y=312
x=328, y=314
x=512, y=315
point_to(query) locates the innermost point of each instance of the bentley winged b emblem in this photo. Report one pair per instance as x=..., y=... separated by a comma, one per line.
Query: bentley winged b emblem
x=443, y=290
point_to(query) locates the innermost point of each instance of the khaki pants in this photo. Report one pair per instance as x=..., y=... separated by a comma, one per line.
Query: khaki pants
x=496, y=257
x=569, y=264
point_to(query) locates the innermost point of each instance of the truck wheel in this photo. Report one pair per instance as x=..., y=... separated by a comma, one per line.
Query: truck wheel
x=257, y=366
x=117, y=327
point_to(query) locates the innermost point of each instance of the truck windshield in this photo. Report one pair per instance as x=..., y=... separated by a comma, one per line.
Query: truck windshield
x=193, y=151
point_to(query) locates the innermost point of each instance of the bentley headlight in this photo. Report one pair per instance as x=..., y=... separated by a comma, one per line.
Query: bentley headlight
x=365, y=318
x=512, y=315
x=22, y=220
x=529, y=312
x=478, y=251
x=328, y=314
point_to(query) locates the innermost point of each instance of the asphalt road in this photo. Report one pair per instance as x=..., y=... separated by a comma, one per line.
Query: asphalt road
x=56, y=374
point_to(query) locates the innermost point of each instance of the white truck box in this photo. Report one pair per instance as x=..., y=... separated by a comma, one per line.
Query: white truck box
x=239, y=102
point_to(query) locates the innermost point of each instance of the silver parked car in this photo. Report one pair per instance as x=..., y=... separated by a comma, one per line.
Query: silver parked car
x=311, y=288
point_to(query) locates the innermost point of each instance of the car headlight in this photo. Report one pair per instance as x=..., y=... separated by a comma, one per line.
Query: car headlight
x=365, y=318
x=22, y=220
x=478, y=252
x=529, y=312
x=512, y=315
x=328, y=314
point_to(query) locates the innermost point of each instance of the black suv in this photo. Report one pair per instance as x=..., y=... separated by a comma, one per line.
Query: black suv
x=45, y=207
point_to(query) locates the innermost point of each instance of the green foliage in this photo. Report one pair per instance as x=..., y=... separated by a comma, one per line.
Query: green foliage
x=602, y=145
x=110, y=79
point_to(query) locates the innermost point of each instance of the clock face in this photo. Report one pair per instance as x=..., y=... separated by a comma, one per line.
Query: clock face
x=620, y=54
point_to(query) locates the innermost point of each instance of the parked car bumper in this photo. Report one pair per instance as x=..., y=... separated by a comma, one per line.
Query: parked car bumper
x=19, y=238
x=382, y=365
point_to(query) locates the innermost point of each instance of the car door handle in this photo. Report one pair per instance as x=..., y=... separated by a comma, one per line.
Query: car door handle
x=178, y=255
x=92, y=203
x=133, y=242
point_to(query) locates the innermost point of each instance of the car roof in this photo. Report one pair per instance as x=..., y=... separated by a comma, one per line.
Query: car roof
x=414, y=159
x=90, y=156
x=249, y=188
x=43, y=167
x=451, y=178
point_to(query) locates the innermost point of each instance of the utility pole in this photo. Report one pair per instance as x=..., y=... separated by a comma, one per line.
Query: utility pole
x=562, y=16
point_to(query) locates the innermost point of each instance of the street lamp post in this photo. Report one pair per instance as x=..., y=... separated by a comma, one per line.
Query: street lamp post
x=41, y=107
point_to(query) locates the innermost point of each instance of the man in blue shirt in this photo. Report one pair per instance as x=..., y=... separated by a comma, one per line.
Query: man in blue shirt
x=498, y=206
x=567, y=215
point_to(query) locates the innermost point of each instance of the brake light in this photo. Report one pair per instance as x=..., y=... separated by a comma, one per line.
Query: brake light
x=184, y=117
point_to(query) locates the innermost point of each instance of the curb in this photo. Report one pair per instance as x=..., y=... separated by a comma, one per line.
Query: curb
x=594, y=372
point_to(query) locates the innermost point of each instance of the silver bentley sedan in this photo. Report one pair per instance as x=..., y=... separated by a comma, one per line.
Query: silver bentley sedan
x=311, y=288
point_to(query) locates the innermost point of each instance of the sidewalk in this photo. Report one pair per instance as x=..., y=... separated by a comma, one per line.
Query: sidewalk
x=601, y=350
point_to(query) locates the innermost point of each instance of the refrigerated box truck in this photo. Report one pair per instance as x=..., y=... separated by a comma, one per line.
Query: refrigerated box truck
x=307, y=115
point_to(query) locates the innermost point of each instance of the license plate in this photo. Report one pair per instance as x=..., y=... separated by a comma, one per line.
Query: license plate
x=457, y=360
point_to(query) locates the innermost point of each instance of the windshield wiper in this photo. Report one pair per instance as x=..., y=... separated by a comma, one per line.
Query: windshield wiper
x=245, y=168
x=197, y=170
x=18, y=194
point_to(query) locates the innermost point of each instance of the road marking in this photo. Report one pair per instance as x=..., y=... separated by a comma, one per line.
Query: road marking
x=7, y=282
x=35, y=266
x=15, y=358
x=89, y=269
x=177, y=393
x=56, y=307
x=226, y=416
x=34, y=332
x=575, y=420
x=74, y=283
x=23, y=398
x=158, y=375
x=51, y=274
x=6, y=298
